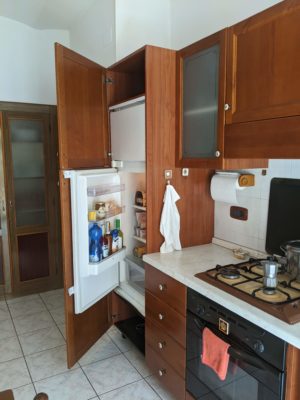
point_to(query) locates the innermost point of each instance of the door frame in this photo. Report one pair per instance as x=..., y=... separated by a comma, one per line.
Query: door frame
x=3, y=216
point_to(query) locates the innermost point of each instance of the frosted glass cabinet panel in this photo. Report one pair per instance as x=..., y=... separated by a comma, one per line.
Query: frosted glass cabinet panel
x=201, y=69
x=200, y=103
x=28, y=162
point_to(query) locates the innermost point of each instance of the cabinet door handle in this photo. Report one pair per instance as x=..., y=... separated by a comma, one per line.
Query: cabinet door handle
x=217, y=153
x=161, y=345
x=162, y=287
x=161, y=316
x=162, y=372
x=226, y=107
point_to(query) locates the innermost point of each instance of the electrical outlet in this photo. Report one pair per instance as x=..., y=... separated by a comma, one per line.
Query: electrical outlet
x=185, y=172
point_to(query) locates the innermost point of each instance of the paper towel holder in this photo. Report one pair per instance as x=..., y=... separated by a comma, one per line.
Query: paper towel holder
x=246, y=180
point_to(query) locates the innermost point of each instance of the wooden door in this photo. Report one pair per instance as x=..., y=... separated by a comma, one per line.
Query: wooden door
x=200, y=102
x=82, y=111
x=31, y=197
x=83, y=143
x=263, y=65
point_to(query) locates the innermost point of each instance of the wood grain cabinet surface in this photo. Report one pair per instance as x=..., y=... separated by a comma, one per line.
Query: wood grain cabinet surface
x=201, y=87
x=263, y=85
x=166, y=330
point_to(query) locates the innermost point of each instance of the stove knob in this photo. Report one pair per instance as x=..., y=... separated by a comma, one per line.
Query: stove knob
x=259, y=346
x=201, y=310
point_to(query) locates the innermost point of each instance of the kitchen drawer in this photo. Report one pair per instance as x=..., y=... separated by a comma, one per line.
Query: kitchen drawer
x=166, y=347
x=167, y=319
x=165, y=374
x=166, y=288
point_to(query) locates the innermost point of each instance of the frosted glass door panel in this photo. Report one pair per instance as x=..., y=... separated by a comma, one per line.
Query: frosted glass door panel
x=200, y=103
x=28, y=162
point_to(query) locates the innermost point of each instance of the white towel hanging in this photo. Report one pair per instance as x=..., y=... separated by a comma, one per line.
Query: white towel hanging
x=170, y=221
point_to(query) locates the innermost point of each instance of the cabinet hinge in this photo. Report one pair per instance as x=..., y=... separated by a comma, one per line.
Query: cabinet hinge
x=67, y=174
x=71, y=291
x=108, y=81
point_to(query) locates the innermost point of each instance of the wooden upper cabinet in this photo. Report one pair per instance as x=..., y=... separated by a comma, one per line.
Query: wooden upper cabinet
x=263, y=84
x=263, y=78
x=82, y=111
x=200, y=102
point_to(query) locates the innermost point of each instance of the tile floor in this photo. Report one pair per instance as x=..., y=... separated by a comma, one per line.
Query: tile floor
x=33, y=357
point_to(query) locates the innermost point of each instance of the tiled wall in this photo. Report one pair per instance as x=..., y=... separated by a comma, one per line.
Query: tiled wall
x=252, y=233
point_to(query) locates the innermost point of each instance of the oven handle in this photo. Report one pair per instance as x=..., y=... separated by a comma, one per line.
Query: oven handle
x=238, y=354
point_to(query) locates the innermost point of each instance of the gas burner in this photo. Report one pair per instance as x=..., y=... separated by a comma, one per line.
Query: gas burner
x=269, y=291
x=229, y=273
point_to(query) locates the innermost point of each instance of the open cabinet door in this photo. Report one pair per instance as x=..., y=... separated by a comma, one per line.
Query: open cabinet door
x=83, y=143
x=82, y=111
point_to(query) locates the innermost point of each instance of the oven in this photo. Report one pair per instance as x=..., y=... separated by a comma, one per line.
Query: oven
x=256, y=368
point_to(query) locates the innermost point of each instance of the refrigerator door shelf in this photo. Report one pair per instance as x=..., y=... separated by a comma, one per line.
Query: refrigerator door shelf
x=101, y=267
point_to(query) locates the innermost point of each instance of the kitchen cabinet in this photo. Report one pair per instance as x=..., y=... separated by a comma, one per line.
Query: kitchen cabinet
x=201, y=86
x=166, y=330
x=85, y=92
x=263, y=85
x=31, y=219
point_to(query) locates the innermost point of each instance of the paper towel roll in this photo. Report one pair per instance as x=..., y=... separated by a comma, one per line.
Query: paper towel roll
x=224, y=187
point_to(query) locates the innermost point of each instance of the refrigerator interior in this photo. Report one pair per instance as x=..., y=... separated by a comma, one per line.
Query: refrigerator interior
x=132, y=273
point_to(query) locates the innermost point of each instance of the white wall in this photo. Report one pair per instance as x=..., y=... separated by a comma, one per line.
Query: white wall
x=140, y=22
x=27, y=70
x=191, y=20
x=94, y=34
x=252, y=233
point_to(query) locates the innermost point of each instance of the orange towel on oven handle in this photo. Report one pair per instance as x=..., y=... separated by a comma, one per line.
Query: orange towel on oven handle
x=215, y=353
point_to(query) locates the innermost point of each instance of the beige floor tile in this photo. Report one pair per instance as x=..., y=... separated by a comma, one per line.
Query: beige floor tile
x=135, y=391
x=137, y=359
x=13, y=374
x=10, y=349
x=26, y=392
x=102, y=349
x=40, y=340
x=111, y=374
x=54, y=301
x=71, y=385
x=33, y=322
x=26, y=307
x=4, y=313
x=7, y=329
x=48, y=363
x=58, y=314
x=14, y=300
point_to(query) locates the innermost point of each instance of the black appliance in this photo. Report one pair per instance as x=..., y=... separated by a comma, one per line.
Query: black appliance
x=257, y=358
x=284, y=214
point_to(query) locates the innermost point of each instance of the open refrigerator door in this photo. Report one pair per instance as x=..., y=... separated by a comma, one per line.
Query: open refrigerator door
x=93, y=280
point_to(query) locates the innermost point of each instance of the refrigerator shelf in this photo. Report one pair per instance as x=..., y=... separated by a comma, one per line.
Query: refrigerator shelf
x=110, y=214
x=93, y=191
x=139, y=239
x=101, y=266
x=139, y=207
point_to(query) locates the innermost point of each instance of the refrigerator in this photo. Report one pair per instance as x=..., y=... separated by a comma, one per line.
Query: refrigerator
x=116, y=188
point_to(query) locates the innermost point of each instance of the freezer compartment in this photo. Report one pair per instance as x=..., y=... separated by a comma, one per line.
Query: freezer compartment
x=135, y=273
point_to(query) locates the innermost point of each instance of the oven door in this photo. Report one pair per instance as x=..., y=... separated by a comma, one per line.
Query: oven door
x=248, y=376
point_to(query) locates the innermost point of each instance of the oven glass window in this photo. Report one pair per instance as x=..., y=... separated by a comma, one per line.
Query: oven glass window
x=244, y=381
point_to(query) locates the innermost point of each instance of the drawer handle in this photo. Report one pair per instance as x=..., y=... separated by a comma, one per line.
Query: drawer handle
x=161, y=316
x=161, y=345
x=162, y=287
x=162, y=372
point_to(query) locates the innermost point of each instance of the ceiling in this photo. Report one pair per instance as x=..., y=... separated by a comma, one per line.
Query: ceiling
x=45, y=14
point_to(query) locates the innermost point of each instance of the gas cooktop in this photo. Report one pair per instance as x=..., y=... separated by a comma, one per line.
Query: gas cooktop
x=245, y=281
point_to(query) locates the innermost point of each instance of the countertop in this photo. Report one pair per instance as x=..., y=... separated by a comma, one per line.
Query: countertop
x=183, y=265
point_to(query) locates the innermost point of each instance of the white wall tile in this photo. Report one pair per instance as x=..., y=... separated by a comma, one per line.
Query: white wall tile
x=252, y=233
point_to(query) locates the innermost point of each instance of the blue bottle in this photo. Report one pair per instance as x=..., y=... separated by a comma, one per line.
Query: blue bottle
x=95, y=234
